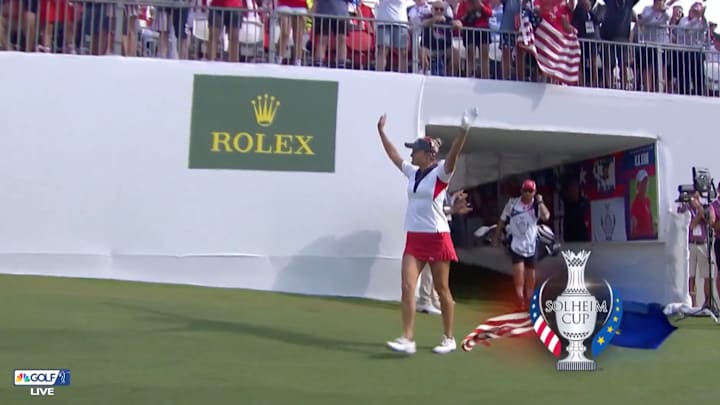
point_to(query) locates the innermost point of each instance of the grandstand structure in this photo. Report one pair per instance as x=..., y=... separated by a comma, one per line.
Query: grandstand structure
x=114, y=198
x=182, y=29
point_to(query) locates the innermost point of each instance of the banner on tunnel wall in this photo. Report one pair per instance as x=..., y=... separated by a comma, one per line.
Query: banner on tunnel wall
x=608, y=198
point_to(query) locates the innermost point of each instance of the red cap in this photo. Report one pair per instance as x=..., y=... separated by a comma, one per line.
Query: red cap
x=528, y=185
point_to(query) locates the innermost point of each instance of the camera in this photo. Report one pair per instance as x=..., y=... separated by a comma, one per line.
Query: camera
x=685, y=193
x=703, y=184
x=702, y=180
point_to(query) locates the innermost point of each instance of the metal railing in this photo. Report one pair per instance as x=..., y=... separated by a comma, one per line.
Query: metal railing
x=188, y=30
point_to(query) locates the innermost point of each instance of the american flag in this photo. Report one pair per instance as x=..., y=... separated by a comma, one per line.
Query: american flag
x=515, y=324
x=542, y=329
x=557, y=53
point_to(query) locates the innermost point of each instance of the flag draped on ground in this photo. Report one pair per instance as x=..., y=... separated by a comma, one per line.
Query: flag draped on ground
x=557, y=53
x=516, y=324
x=643, y=326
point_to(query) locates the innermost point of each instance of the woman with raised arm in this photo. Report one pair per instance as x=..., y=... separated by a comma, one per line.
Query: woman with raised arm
x=428, y=233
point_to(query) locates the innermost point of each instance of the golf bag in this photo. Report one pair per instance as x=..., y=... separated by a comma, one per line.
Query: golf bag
x=547, y=242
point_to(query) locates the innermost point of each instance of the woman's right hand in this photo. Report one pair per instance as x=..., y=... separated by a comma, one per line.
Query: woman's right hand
x=381, y=124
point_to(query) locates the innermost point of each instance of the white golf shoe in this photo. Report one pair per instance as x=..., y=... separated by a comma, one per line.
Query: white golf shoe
x=403, y=345
x=428, y=309
x=446, y=346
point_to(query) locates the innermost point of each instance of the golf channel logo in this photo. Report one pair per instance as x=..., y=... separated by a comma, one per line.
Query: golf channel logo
x=42, y=382
x=565, y=314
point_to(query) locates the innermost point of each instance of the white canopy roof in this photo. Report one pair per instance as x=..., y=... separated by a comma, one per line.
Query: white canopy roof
x=490, y=153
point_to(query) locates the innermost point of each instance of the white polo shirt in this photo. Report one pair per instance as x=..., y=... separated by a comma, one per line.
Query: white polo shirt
x=521, y=220
x=392, y=11
x=425, y=211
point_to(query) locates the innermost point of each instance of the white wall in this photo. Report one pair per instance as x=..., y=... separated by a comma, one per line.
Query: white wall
x=95, y=181
x=684, y=127
x=94, y=156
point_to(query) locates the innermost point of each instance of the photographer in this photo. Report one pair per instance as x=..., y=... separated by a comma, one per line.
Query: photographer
x=698, y=238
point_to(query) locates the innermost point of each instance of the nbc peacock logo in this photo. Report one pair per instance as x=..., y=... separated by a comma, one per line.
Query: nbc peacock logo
x=22, y=377
x=265, y=108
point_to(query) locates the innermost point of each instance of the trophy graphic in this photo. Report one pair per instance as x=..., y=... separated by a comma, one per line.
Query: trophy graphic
x=607, y=221
x=575, y=314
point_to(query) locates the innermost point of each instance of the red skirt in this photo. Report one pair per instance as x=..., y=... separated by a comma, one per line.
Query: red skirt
x=430, y=246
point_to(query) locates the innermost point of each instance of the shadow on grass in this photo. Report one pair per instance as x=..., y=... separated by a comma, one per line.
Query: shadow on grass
x=469, y=284
x=184, y=323
x=473, y=283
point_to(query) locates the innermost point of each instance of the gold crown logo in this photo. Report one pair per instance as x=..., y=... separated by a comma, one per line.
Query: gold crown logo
x=265, y=107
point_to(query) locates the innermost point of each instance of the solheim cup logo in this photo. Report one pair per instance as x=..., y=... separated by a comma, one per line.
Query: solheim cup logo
x=578, y=315
x=607, y=222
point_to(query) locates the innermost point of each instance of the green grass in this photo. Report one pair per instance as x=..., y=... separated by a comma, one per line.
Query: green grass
x=130, y=343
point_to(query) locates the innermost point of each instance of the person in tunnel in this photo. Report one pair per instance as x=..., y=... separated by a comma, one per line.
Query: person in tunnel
x=521, y=215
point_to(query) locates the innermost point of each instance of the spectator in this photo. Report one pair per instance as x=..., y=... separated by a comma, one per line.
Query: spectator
x=225, y=14
x=437, y=39
x=691, y=31
x=292, y=18
x=495, y=38
x=677, y=15
x=177, y=18
x=361, y=36
x=557, y=13
x=653, y=31
x=671, y=57
x=392, y=33
x=330, y=23
x=458, y=49
x=96, y=23
x=475, y=18
x=27, y=16
x=615, y=28
x=587, y=25
x=712, y=58
x=418, y=14
x=510, y=27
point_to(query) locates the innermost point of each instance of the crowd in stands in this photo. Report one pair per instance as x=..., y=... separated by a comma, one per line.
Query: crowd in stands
x=663, y=48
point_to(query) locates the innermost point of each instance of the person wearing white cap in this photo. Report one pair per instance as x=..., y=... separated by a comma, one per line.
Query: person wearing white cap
x=641, y=220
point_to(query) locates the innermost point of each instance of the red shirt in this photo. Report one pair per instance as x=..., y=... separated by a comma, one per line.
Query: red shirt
x=553, y=11
x=228, y=3
x=485, y=13
x=292, y=3
x=640, y=212
x=55, y=11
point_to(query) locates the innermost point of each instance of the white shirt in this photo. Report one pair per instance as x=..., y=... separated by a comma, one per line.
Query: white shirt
x=521, y=220
x=692, y=32
x=425, y=211
x=389, y=11
x=653, y=25
x=419, y=12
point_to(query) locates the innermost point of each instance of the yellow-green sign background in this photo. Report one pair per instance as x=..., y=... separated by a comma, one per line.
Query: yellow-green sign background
x=308, y=108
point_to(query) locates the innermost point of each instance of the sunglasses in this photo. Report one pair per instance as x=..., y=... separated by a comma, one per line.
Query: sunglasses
x=528, y=190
